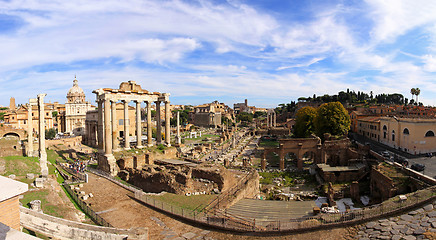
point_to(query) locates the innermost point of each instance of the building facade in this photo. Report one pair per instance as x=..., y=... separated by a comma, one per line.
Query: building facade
x=75, y=111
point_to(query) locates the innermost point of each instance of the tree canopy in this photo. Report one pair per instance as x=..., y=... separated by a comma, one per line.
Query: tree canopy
x=332, y=118
x=304, y=122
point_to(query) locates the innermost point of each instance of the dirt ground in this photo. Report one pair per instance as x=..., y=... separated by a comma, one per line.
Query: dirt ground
x=113, y=203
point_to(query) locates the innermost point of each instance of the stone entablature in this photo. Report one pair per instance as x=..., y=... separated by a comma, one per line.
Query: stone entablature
x=107, y=99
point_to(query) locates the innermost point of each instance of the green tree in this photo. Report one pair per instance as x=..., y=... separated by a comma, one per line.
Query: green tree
x=332, y=118
x=245, y=117
x=50, y=133
x=304, y=122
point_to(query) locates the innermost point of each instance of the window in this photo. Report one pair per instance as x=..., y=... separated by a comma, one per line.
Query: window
x=393, y=135
x=385, y=128
x=429, y=134
x=121, y=122
x=406, y=131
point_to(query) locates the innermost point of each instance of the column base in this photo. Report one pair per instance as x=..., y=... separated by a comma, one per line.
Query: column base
x=126, y=148
x=168, y=144
x=140, y=147
x=150, y=145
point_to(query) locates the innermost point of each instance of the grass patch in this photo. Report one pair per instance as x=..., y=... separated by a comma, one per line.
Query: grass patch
x=269, y=144
x=185, y=202
x=47, y=207
x=20, y=165
x=289, y=178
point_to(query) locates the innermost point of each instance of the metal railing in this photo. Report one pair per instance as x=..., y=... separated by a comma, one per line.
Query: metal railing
x=222, y=219
x=212, y=215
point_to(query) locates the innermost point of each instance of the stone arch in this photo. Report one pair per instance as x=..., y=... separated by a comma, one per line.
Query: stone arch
x=308, y=158
x=12, y=134
x=406, y=131
x=290, y=159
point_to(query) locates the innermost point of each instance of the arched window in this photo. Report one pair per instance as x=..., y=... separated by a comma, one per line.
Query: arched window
x=393, y=135
x=385, y=128
x=384, y=131
x=429, y=134
x=406, y=131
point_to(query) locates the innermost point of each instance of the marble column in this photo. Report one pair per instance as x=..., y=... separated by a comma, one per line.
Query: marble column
x=138, y=125
x=107, y=128
x=267, y=120
x=100, y=127
x=126, y=126
x=29, y=131
x=114, y=126
x=167, y=124
x=178, y=139
x=158, y=124
x=149, y=129
x=42, y=151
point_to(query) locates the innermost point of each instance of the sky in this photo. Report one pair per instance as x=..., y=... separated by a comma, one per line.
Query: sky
x=266, y=51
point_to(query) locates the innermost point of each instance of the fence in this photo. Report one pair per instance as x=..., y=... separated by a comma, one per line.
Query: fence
x=93, y=215
x=213, y=216
x=221, y=219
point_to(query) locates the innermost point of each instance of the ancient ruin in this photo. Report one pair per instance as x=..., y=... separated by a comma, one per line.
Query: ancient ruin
x=107, y=137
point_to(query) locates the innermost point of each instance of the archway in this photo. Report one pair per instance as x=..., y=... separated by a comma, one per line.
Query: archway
x=12, y=135
x=308, y=159
x=290, y=160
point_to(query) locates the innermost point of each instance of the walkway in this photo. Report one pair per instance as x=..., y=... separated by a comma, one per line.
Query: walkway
x=417, y=224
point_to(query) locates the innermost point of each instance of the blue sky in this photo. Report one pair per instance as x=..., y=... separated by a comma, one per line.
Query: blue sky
x=268, y=51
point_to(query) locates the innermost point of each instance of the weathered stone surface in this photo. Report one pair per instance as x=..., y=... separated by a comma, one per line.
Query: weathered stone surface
x=419, y=231
x=425, y=224
x=371, y=225
x=406, y=217
x=428, y=207
x=396, y=237
x=188, y=235
x=395, y=232
x=409, y=237
x=413, y=212
x=386, y=224
x=432, y=214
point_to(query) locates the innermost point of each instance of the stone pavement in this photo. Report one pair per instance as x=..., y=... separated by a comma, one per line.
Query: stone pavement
x=169, y=234
x=408, y=226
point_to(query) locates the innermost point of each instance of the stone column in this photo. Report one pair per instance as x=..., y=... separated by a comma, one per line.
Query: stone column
x=114, y=126
x=42, y=151
x=158, y=124
x=107, y=128
x=29, y=131
x=267, y=119
x=167, y=124
x=126, y=126
x=274, y=121
x=178, y=139
x=100, y=127
x=149, y=129
x=138, y=125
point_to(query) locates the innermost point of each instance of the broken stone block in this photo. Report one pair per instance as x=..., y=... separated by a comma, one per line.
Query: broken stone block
x=30, y=176
x=85, y=197
x=81, y=185
x=91, y=195
x=35, y=205
x=39, y=182
x=12, y=176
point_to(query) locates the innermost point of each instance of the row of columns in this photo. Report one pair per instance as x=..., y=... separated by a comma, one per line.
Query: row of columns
x=107, y=125
x=271, y=119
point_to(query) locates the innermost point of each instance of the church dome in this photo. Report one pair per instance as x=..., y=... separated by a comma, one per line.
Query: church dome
x=76, y=93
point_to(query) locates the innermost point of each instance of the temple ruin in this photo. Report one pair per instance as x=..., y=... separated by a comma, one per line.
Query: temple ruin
x=107, y=136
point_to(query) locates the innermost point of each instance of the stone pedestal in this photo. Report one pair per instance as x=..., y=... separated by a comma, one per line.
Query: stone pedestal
x=108, y=164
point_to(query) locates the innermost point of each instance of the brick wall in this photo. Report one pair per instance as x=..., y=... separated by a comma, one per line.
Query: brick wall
x=10, y=212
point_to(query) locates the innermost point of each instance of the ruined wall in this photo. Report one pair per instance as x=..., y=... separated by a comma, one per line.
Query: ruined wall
x=64, y=229
x=11, y=147
x=381, y=186
x=69, y=142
